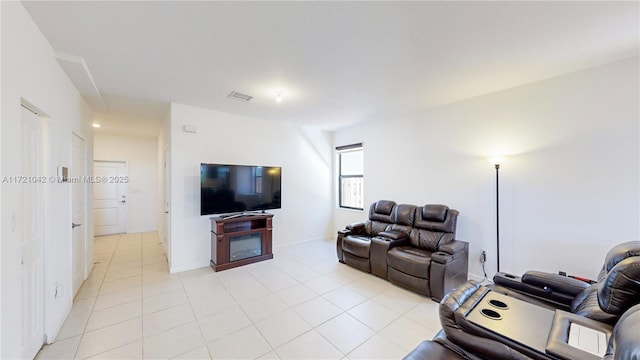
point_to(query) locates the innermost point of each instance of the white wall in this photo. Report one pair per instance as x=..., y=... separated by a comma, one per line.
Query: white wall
x=2, y=223
x=141, y=155
x=569, y=191
x=30, y=72
x=232, y=139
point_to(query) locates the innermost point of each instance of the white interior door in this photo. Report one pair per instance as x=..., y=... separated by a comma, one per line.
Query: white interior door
x=109, y=197
x=33, y=233
x=78, y=233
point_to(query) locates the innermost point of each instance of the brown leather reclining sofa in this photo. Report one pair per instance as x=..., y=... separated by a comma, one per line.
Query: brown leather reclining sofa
x=413, y=247
x=610, y=306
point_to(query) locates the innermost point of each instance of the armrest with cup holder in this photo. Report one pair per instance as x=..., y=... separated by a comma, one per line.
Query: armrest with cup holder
x=557, y=289
x=576, y=337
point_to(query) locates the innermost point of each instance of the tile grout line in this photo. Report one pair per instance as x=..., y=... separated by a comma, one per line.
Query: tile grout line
x=184, y=290
x=75, y=354
x=251, y=274
x=142, y=295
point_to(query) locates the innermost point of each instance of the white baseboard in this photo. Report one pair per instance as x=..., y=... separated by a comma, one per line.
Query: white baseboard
x=318, y=238
x=141, y=230
x=475, y=277
x=193, y=266
x=186, y=267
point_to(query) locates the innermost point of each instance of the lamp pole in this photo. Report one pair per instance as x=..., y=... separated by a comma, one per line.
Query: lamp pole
x=497, y=217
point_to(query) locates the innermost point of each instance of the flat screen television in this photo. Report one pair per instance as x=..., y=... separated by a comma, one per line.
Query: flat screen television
x=239, y=188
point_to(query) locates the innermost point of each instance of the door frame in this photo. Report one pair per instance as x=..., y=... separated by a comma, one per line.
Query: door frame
x=128, y=198
x=46, y=242
x=166, y=208
x=85, y=224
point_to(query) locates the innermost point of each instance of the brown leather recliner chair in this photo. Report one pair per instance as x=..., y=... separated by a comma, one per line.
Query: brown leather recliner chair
x=624, y=344
x=517, y=328
x=430, y=261
x=354, y=242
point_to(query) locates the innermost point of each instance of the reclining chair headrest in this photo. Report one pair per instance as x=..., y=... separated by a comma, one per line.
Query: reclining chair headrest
x=382, y=210
x=405, y=214
x=620, y=288
x=435, y=212
x=403, y=217
x=436, y=218
x=621, y=252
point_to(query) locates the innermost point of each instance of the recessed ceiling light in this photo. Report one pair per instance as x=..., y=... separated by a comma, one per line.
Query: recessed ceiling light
x=96, y=125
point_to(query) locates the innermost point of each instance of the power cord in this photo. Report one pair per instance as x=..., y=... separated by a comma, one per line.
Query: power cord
x=485, y=274
x=483, y=260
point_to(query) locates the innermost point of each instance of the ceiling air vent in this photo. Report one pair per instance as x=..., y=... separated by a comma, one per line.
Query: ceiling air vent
x=240, y=96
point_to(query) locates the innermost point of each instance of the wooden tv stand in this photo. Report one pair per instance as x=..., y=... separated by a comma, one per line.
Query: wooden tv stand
x=240, y=240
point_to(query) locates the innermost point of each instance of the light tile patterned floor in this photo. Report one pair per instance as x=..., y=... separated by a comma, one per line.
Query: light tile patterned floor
x=303, y=304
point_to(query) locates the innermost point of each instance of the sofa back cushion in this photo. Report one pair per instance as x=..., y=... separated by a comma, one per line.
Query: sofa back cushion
x=434, y=225
x=619, y=253
x=620, y=289
x=404, y=216
x=618, y=286
x=619, y=280
x=381, y=216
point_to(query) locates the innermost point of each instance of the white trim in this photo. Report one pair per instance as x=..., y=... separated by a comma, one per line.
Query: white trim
x=317, y=238
x=141, y=230
x=187, y=267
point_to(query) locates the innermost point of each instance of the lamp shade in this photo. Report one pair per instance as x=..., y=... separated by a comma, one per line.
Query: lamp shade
x=497, y=160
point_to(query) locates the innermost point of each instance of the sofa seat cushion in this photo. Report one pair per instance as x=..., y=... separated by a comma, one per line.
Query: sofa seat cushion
x=357, y=245
x=410, y=260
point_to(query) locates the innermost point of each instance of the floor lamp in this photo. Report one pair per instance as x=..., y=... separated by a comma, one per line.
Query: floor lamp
x=496, y=162
x=498, y=216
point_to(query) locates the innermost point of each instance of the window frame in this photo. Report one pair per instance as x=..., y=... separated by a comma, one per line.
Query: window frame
x=342, y=150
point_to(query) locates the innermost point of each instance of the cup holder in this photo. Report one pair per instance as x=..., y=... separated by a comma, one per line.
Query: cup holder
x=491, y=314
x=498, y=304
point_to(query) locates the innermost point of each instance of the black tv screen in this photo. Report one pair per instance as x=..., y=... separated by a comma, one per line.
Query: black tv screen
x=238, y=188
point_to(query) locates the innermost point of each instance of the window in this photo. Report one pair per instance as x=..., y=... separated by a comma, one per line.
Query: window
x=350, y=176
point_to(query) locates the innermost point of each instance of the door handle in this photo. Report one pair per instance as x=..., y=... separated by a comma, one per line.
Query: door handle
x=74, y=225
x=123, y=201
x=166, y=212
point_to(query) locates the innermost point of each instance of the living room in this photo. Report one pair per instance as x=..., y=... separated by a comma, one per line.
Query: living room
x=562, y=108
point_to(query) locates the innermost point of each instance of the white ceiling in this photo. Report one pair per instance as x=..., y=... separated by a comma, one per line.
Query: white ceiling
x=337, y=63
